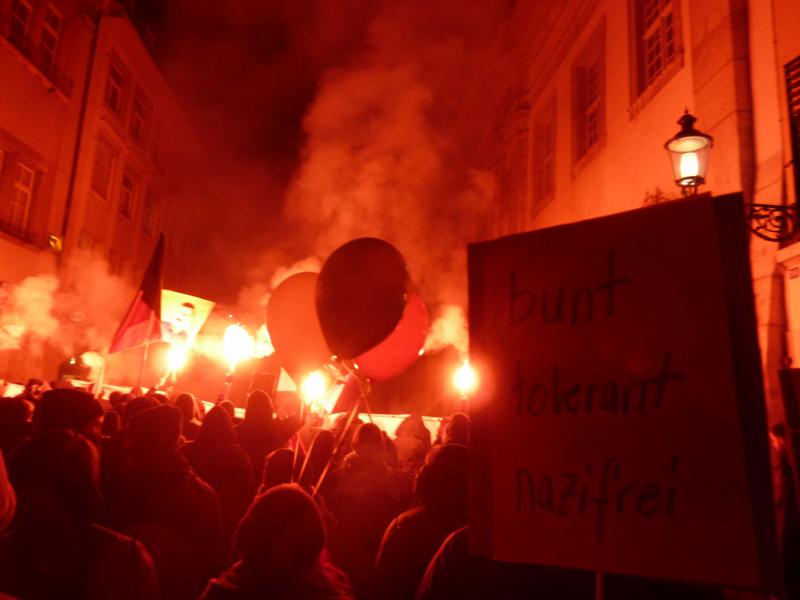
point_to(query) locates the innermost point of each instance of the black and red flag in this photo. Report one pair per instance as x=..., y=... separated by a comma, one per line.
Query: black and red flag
x=142, y=322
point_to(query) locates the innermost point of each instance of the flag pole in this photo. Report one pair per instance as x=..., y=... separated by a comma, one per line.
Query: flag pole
x=142, y=364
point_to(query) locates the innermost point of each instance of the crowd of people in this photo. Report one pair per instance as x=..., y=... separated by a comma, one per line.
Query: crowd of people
x=142, y=495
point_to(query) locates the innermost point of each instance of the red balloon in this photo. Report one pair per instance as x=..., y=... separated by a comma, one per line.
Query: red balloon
x=401, y=348
x=361, y=295
x=293, y=325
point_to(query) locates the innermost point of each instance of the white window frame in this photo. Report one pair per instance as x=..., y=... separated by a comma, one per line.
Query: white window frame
x=15, y=17
x=20, y=211
x=114, y=93
x=139, y=116
x=55, y=34
x=127, y=195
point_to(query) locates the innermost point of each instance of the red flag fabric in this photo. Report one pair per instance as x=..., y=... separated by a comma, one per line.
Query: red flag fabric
x=142, y=322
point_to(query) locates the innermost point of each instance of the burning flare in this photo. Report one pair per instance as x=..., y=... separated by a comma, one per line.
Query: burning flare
x=314, y=388
x=237, y=345
x=176, y=358
x=465, y=379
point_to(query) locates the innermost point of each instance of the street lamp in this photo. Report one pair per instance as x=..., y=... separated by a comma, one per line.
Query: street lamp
x=688, y=149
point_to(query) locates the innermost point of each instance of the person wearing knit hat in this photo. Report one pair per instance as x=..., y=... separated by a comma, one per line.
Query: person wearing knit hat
x=70, y=409
x=280, y=546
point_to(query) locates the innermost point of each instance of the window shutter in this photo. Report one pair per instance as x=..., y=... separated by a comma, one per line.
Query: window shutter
x=793, y=100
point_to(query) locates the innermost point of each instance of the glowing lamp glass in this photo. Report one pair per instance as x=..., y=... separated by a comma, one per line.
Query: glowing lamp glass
x=689, y=150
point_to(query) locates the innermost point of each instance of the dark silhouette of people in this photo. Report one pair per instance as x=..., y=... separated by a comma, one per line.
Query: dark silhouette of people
x=280, y=547
x=320, y=452
x=261, y=432
x=189, y=413
x=168, y=507
x=413, y=441
x=278, y=469
x=414, y=536
x=70, y=409
x=364, y=494
x=56, y=548
x=222, y=463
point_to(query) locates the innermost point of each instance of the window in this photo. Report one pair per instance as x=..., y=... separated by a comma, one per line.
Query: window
x=544, y=155
x=103, y=163
x=792, y=70
x=127, y=195
x=115, y=86
x=658, y=39
x=20, y=20
x=50, y=33
x=21, y=197
x=141, y=112
x=150, y=213
x=589, y=95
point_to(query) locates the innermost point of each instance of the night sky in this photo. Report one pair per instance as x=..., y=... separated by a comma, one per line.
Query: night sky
x=327, y=121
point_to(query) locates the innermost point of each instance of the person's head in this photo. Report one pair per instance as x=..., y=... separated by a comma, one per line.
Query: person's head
x=186, y=404
x=136, y=406
x=182, y=319
x=259, y=408
x=217, y=428
x=414, y=426
x=282, y=533
x=155, y=432
x=71, y=409
x=456, y=429
x=441, y=483
x=278, y=468
x=368, y=441
x=15, y=411
x=227, y=405
x=55, y=477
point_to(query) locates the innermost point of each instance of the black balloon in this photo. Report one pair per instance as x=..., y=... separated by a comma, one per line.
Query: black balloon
x=361, y=295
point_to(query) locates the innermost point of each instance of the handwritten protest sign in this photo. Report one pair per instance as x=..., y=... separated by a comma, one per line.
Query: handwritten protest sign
x=621, y=425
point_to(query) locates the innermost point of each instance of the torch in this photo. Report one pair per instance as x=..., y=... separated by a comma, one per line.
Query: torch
x=237, y=345
x=465, y=381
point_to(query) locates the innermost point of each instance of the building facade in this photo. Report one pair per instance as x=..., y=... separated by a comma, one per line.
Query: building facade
x=582, y=95
x=97, y=155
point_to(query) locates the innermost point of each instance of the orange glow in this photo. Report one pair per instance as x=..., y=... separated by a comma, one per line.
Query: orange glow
x=689, y=165
x=314, y=388
x=176, y=358
x=465, y=379
x=237, y=345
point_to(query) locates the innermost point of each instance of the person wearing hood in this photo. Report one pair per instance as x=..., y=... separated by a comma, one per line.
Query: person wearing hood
x=364, y=494
x=189, y=413
x=168, y=507
x=414, y=536
x=222, y=463
x=261, y=432
x=71, y=409
x=56, y=548
x=280, y=547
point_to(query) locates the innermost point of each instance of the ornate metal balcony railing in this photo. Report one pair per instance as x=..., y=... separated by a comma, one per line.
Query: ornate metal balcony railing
x=36, y=54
